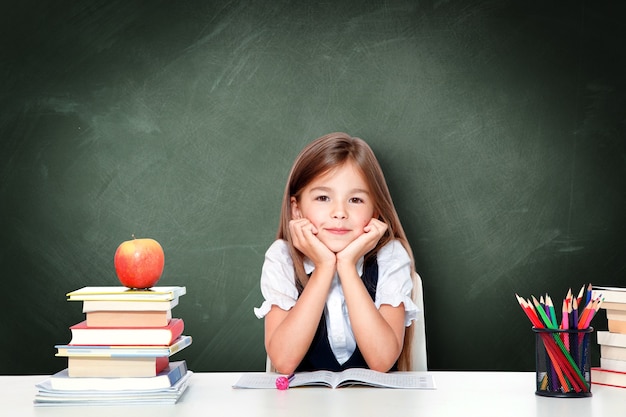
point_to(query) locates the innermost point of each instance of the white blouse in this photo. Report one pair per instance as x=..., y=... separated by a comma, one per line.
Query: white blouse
x=394, y=287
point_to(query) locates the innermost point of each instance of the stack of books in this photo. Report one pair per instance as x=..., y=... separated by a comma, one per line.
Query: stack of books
x=612, y=370
x=121, y=352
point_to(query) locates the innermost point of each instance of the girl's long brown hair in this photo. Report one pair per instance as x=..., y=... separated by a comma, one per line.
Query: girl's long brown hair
x=321, y=156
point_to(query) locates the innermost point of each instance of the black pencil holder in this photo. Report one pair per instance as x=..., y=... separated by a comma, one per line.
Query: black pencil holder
x=563, y=362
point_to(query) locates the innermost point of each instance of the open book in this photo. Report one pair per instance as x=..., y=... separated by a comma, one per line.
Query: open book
x=349, y=377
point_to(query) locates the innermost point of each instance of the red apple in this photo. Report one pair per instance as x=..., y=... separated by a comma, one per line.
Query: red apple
x=139, y=262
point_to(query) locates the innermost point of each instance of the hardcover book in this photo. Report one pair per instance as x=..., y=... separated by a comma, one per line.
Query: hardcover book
x=602, y=376
x=128, y=318
x=613, y=364
x=124, y=351
x=160, y=336
x=102, y=367
x=167, y=378
x=127, y=305
x=612, y=339
x=611, y=294
x=616, y=326
x=120, y=293
x=613, y=352
x=613, y=306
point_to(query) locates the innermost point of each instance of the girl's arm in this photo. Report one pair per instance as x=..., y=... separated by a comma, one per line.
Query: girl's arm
x=288, y=334
x=379, y=333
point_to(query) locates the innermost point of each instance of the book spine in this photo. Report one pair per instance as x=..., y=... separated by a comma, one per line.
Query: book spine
x=613, y=314
x=613, y=352
x=608, y=377
x=182, y=343
x=607, y=305
x=613, y=365
x=89, y=306
x=612, y=339
x=613, y=296
x=177, y=372
x=155, y=336
x=616, y=326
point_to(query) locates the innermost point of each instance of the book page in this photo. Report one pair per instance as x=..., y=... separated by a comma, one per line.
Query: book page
x=260, y=380
x=268, y=380
x=599, y=287
x=325, y=378
x=350, y=377
x=406, y=380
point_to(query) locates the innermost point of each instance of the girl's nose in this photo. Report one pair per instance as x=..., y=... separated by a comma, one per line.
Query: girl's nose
x=339, y=211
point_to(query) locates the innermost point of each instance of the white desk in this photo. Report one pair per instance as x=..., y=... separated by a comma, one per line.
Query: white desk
x=498, y=394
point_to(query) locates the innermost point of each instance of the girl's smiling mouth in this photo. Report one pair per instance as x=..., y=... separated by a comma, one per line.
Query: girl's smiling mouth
x=337, y=230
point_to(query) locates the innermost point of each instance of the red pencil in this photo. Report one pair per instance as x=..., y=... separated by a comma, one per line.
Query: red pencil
x=530, y=312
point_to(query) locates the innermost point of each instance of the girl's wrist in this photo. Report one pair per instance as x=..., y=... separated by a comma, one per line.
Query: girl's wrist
x=347, y=259
x=326, y=268
x=344, y=266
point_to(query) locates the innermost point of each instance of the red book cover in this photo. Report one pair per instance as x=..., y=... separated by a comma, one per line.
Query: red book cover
x=121, y=336
x=601, y=376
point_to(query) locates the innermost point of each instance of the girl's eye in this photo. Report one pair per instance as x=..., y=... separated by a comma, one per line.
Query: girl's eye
x=322, y=198
x=356, y=200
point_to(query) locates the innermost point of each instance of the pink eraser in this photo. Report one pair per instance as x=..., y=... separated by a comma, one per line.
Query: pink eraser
x=282, y=383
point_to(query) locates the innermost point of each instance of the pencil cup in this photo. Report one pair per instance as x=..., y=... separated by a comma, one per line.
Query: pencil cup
x=563, y=362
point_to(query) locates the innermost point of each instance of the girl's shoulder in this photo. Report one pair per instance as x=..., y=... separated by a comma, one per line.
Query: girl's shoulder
x=279, y=251
x=393, y=250
x=279, y=245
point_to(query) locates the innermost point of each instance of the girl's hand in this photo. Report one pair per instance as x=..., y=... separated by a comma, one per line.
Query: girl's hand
x=367, y=241
x=304, y=238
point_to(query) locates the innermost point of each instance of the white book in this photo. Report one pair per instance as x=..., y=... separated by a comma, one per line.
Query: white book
x=613, y=365
x=612, y=339
x=613, y=306
x=167, y=378
x=127, y=336
x=115, y=305
x=611, y=294
x=601, y=376
x=349, y=377
x=105, y=351
x=47, y=397
x=120, y=293
x=613, y=352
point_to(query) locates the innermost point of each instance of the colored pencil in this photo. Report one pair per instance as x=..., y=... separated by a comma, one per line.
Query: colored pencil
x=562, y=346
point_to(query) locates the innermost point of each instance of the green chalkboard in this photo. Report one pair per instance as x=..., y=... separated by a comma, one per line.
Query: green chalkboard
x=500, y=126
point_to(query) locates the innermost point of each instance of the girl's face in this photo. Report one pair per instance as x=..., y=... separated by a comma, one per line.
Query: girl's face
x=339, y=204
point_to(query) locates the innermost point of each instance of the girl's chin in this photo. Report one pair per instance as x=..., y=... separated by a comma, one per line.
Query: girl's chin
x=336, y=247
